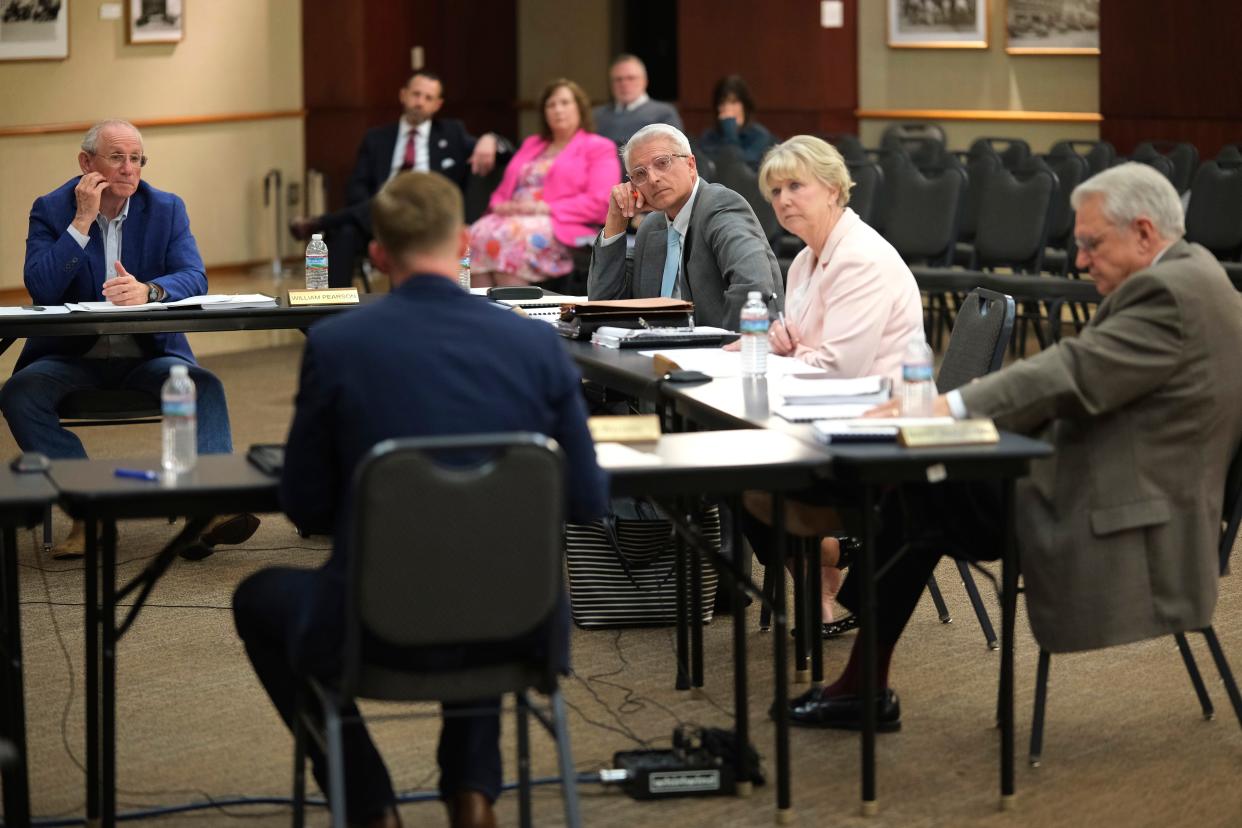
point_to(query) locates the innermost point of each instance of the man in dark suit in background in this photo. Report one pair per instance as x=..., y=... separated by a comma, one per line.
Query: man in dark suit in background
x=451, y=364
x=419, y=141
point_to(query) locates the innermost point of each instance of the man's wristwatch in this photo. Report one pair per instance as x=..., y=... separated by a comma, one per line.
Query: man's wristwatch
x=155, y=293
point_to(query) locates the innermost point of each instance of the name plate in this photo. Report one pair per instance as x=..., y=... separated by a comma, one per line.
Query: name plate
x=960, y=433
x=331, y=296
x=637, y=428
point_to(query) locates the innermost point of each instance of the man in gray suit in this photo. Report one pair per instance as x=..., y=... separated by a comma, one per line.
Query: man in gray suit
x=1118, y=531
x=703, y=244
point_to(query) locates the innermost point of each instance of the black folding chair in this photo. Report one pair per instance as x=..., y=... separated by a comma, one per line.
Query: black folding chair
x=1100, y=155
x=1230, y=518
x=1214, y=218
x=1182, y=155
x=474, y=559
x=1013, y=152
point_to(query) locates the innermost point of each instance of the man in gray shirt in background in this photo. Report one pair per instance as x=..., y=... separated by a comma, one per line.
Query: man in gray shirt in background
x=631, y=109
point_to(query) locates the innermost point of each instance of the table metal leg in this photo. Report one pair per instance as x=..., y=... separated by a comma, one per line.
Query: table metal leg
x=92, y=672
x=867, y=634
x=694, y=561
x=1009, y=609
x=683, y=614
x=815, y=589
x=802, y=630
x=741, y=713
x=784, y=811
x=108, y=676
x=15, y=779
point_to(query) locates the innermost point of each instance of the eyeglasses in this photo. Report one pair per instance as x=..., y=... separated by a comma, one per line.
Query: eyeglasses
x=116, y=159
x=660, y=163
x=1091, y=244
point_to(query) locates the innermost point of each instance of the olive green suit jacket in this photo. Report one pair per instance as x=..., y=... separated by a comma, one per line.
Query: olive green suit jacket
x=1119, y=530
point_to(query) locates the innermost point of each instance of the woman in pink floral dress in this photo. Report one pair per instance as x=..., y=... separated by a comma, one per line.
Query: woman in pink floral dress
x=553, y=197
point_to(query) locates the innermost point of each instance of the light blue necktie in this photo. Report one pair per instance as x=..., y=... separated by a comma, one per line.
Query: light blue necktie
x=672, y=261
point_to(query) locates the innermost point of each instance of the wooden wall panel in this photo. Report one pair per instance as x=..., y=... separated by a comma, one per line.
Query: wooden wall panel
x=356, y=56
x=1169, y=70
x=804, y=77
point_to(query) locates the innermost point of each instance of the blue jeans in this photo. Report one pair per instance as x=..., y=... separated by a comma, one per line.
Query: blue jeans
x=31, y=396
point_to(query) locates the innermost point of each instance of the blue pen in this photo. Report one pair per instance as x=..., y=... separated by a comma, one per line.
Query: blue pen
x=138, y=474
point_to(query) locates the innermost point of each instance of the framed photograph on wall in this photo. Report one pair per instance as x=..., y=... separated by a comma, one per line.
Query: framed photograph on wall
x=938, y=24
x=34, y=29
x=1052, y=27
x=156, y=21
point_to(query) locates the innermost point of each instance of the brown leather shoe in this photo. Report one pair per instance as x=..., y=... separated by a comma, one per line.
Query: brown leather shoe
x=223, y=529
x=389, y=819
x=470, y=809
x=73, y=546
x=303, y=228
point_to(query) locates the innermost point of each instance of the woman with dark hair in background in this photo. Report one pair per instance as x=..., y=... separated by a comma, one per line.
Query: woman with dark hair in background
x=735, y=124
x=554, y=195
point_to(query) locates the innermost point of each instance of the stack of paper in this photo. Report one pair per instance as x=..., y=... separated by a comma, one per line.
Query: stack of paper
x=612, y=337
x=221, y=301
x=547, y=308
x=869, y=430
x=799, y=391
x=718, y=363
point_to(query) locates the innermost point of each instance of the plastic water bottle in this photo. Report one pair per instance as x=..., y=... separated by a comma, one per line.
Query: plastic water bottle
x=316, y=263
x=177, y=400
x=463, y=271
x=918, y=390
x=754, y=327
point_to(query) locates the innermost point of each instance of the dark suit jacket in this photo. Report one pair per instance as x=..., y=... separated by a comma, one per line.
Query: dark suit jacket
x=724, y=256
x=428, y=359
x=449, y=147
x=1119, y=528
x=156, y=246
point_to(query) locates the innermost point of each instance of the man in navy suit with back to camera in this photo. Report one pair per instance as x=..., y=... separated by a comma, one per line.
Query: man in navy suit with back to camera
x=419, y=141
x=107, y=235
x=428, y=359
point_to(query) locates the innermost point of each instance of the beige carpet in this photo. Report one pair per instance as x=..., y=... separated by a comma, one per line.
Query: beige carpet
x=1125, y=743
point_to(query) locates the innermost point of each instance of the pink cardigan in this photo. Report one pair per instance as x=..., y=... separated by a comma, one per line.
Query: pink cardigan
x=853, y=308
x=577, y=186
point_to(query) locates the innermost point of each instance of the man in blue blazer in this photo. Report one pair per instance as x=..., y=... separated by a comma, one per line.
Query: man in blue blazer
x=428, y=359
x=418, y=141
x=108, y=235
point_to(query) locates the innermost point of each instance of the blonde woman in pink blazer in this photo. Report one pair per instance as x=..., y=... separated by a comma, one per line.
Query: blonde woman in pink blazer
x=851, y=303
x=554, y=196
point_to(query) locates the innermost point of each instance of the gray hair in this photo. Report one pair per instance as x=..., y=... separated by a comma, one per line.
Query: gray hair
x=90, y=141
x=653, y=132
x=1131, y=191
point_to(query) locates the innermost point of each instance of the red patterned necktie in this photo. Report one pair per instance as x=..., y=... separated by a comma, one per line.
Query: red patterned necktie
x=408, y=162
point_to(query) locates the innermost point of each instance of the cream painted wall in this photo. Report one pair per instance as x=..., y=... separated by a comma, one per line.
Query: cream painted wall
x=561, y=38
x=237, y=56
x=973, y=79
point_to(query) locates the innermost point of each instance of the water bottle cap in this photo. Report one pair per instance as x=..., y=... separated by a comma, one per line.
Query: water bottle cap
x=754, y=294
x=179, y=370
x=316, y=236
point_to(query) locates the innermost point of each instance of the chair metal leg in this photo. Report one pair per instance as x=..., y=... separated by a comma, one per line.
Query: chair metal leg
x=770, y=580
x=976, y=601
x=47, y=529
x=565, y=757
x=801, y=632
x=299, y=766
x=1196, y=679
x=523, y=759
x=938, y=600
x=1226, y=675
x=336, y=765
x=1041, y=700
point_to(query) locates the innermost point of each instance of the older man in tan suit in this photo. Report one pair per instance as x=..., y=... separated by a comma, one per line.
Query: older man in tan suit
x=1118, y=530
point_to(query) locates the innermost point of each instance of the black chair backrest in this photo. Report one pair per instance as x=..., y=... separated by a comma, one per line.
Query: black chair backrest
x=1100, y=155
x=891, y=161
x=1231, y=509
x=1070, y=170
x=1182, y=154
x=847, y=144
x=733, y=172
x=479, y=189
x=453, y=540
x=923, y=150
x=1214, y=218
x=921, y=220
x=1013, y=221
x=981, y=333
x=703, y=162
x=894, y=133
x=1013, y=152
x=979, y=167
x=1230, y=154
x=865, y=198
x=1156, y=161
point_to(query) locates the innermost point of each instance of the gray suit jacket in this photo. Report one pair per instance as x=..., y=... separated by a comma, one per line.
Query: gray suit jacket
x=724, y=256
x=1119, y=529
